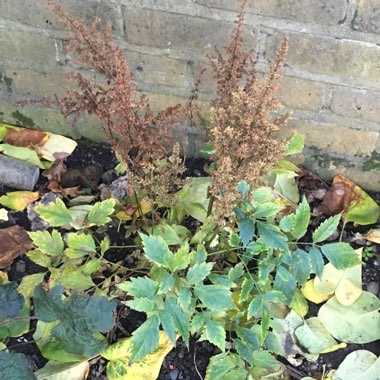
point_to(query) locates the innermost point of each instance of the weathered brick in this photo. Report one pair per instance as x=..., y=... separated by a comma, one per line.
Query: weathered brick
x=25, y=47
x=178, y=32
x=160, y=69
x=360, y=104
x=38, y=13
x=367, y=16
x=335, y=138
x=301, y=94
x=325, y=12
x=330, y=56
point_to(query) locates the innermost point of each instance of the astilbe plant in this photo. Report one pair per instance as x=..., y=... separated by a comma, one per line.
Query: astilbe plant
x=243, y=119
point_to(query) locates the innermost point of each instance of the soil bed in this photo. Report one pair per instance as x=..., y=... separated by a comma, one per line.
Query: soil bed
x=181, y=363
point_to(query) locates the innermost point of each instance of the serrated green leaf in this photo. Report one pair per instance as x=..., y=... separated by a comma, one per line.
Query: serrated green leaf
x=262, y=194
x=139, y=287
x=143, y=304
x=157, y=250
x=301, y=219
x=80, y=317
x=274, y=296
x=73, y=277
x=255, y=307
x=243, y=350
x=16, y=326
x=200, y=254
x=287, y=223
x=251, y=336
x=316, y=260
x=263, y=359
x=105, y=245
x=184, y=298
x=286, y=185
x=215, y=333
x=81, y=242
x=214, y=297
x=166, y=283
x=267, y=209
x=299, y=304
x=145, y=339
x=271, y=236
x=198, y=272
x=246, y=289
x=236, y=272
x=300, y=266
x=168, y=325
x=28, y=283
x=91, y=266
x=341, y=255
x=11, y=301
x=12, y=364
x=55, y=213
x=181, y=259
x=100, y=212
x=285, y=283
x=167, y=232
x=208, y=149
x=234, y=240
x=243, y=188
x=295, y=144
x=246, y=231
x=226, y=366
x=181, y=320
x=49, y=244
x=39, y=258
x=326, y=229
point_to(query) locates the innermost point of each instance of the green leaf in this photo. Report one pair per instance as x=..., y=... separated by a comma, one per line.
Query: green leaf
x=287, y=223
x=215, y=333
x=295, y=144
x=255, y=307
x=73, y=277
x=157, y=250
x=262, y=194
x=316, y=260
x=100, y=212
x=326, y=229
x=39, y=258
x=79, y=245
x=243, y=350
x=63, y=371
x=341, y=255
x=301, y=219
x=55, y=213
x=236, y=272
x=264, y=360
x=274, y=296
x=28, y=283
x=166, y=283
x=299, y=304
x=267, y=209
x=214, y=297
x=246, y=289
x=286, y=185
x=11, y=301
x=49, y=244
x=22, y=153
x=180, y=319
x=300, y=266
x=142, y=304
x=198, y=272
x=80, y=316
x=105, y=245
x=139, y=287
x=181, y=259
x=357, y=323
x=167, y=232
x=16, y=326
x=272, y=236
x=12, y=364
x=184, y=298
x=208, y=149
x=145, y=339
x=91, y=266
x=226, y=366
x=243, y=188
x=251, y=336
x=285, y=283
x=246, y=231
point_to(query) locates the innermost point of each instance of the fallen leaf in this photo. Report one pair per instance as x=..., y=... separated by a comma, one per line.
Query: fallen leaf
x=26, y=137
x=357, y=206
x=3, y=215
x=14, y=242
x=24, y=154
x=63, y=371
x=133, y=212
x=19, y=200
x=86, y=177
x=312, y=295
x=57, y=147
x=373, y=235
x=357, y=323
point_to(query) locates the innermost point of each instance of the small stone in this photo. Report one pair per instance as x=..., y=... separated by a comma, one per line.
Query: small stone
x=313, y=367
x=373, y=287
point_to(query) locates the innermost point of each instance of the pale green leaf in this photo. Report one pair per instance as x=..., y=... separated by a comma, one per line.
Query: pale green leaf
x=63, y=371
x=243, y=188
x=105, y=245
x=100, y=212
x=19, y=200
x=295, y=144
x=357, y=323
x=145, y=339
x=255, y=308
x=341, y=255
x=271, y=236
x=246, y=231
x=214, y=297
x=181, y=259
x=267, y=209
x=167, y=232
x=301, y=219
x=226, y=366
x=299, y=304
x=49, y=244
x=142, y=304
x=326, y=229
x=157, y=250
x=285, y=283
x=55, y=213
x=198, y=272
x=139, y=287
x=28, y=283
x=262, y=194
x=316, y=261
x=39, y=258
x=215, y=333
x=181, y=320
x=287, y=223
x=184, y=298
x=79, y=245
x=22, y=153
x=73, y=277
x=287, y=187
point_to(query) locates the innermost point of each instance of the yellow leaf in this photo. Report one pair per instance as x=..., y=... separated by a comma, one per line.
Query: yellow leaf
x=56, y=147
x=373, y=235
x=19, y=200
x=3, y=277
x=145, y=207
x=312, y=295
x=336, y=347
x=146, y=369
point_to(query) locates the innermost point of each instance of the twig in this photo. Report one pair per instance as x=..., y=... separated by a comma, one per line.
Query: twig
x=195, y=364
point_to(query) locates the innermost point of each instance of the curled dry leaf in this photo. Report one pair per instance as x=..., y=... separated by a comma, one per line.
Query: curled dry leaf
x=357, y=206
x=26, y=137
x=373, y=235
x=14, y=242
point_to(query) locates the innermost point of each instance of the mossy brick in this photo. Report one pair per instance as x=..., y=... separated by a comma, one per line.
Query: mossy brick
x=178, y=31
x=342, y=58
x=335, y=138
x=160, y=69
x=324, y=12
x=34, y=48
x=367, y=16
x=301, y=94
x=37, y=13
x=355, y=103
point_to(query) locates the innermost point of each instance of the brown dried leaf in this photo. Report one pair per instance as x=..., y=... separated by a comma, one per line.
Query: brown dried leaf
x=55, y=172
x=26, y=137
x=14, y=242
x=86, y=177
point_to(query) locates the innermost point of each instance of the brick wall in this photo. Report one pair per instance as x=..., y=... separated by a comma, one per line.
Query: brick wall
x=331, y=79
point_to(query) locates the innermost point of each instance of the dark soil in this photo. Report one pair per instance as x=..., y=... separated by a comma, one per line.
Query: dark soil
x=183, y=363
